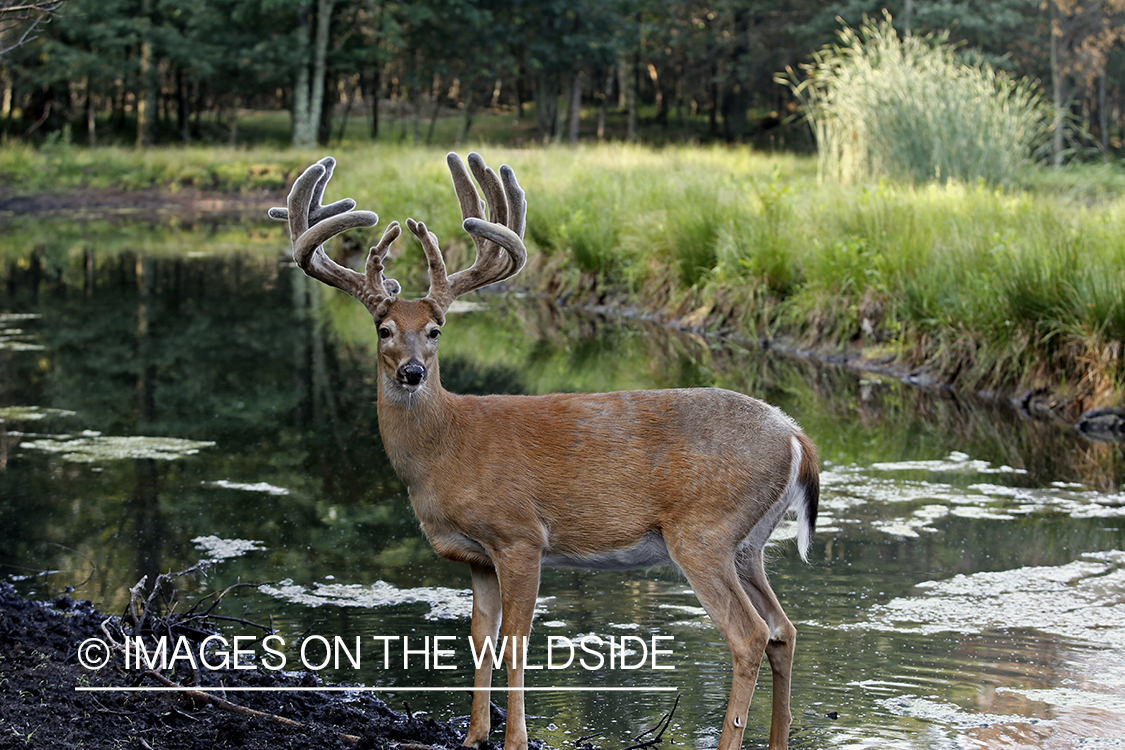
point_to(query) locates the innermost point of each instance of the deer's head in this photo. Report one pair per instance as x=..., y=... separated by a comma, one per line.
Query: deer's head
x=409, y=329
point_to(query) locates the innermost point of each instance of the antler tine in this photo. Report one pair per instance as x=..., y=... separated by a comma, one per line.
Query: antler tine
x=375, y=258
x=318, y=212
x=493, y=191
x=311, y=225
x=517, y=203
x=500, y=250
x=440, y=294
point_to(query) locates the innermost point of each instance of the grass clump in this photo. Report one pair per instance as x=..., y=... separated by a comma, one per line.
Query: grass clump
x=881, y=105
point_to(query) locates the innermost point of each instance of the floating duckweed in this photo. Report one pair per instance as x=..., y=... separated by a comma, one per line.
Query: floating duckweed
x=218, y=548
x=1083, y=600
x=93, y=448
x=445, y=603
x=846, y=490
x=1070, y=697
x=955, y=461
x=950, y=714
x=30, y=413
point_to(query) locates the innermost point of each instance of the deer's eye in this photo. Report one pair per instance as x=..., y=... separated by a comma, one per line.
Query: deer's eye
x=384, y=332
x=434, y=333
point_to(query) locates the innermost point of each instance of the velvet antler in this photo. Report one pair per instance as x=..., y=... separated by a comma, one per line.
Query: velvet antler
x=312, y=224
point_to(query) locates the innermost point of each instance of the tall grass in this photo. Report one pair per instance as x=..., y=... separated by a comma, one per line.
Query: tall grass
x=881, y=105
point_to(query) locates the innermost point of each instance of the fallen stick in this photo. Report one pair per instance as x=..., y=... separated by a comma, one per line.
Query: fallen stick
x=226, y=705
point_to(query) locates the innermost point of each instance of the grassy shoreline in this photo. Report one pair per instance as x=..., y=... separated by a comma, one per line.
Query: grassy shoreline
x=982, y=288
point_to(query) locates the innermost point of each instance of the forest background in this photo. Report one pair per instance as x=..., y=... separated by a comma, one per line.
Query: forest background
x=180, y=71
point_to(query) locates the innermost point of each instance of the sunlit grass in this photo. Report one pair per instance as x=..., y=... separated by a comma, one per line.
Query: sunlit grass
x=56, y=167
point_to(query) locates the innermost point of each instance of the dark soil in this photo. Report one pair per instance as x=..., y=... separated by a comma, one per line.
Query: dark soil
x=40, y=706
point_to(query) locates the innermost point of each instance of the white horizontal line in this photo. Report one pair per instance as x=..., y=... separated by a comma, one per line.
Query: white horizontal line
x=259, y=689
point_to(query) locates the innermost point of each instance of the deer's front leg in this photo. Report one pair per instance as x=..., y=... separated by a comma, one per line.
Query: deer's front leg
x=486, y=623
x=518, y=571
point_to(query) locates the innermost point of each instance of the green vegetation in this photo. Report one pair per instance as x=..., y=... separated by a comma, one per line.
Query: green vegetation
x=61, y=166
x=987, y=287
x=912, y=108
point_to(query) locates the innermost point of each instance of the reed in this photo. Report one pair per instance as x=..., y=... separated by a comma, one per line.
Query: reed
x=911, y=107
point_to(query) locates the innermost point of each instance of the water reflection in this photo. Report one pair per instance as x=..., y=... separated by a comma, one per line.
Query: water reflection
x=244, y=353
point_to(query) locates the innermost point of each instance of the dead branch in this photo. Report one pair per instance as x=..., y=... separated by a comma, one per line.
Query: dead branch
x=226, y=705
x=661, y=725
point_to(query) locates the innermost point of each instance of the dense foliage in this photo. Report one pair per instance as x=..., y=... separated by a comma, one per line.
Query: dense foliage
x=182, y=70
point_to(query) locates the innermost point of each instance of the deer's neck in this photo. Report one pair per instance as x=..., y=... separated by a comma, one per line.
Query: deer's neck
x=417, y=428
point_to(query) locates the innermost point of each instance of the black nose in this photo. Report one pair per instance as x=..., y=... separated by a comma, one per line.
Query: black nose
x=412, y=373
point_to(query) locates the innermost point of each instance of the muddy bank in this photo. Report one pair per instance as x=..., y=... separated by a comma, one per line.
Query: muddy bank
x=189, y=202
x=42, y=707
x=1046, y=404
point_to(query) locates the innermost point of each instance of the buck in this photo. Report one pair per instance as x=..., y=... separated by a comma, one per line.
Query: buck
x=611, y=481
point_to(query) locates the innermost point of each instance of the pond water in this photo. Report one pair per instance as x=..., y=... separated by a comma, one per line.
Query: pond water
x=173, y=393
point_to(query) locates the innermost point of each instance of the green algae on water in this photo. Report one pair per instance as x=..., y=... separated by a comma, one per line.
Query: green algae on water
x=92, y=447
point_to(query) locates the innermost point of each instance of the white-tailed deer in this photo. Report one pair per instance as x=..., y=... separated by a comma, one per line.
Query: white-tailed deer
x=507, y=484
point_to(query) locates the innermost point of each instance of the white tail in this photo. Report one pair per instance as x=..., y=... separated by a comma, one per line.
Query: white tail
x=695, y=477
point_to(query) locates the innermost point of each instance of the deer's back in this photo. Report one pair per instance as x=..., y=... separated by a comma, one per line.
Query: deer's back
x=617, y=466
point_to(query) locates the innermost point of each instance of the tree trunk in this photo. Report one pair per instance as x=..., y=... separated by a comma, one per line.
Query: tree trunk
x=184, y=110
x=713, y=114
x=331, y=96
x=1103, y=114
x=561, y=110
x=629, y=76
x=91, y=117
x=736, y=102
x=604, y=103
x=146, y=96
x=320, y=65
x=347, y=112
x=1058, y=96
x=372, y=94
x=417, y=120
x=5, y=93
x=436, y=110
x=546, y=105
x=574, y=110
x=469, y=109
x=303, y=132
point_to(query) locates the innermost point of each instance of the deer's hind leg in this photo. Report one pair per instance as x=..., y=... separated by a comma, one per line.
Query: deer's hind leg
x=712, y=575
x=781, y=643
